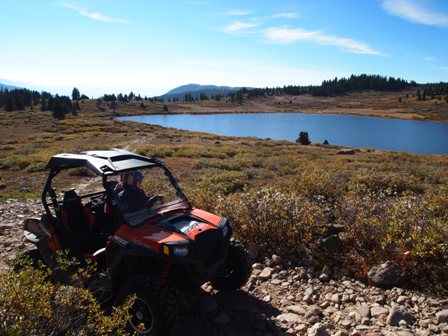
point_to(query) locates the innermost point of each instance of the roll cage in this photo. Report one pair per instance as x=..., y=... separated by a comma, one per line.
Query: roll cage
x=104, y=163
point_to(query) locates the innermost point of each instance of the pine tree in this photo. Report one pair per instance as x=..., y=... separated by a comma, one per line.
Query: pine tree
x=75, y=94
x=43, y=105
x=9, y=106
x=303, y=138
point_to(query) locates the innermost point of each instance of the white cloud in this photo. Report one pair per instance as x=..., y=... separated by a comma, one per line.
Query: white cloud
x=415, y=12
x=289, y=15
x=236, y=27
x=237, y=12
x=287, y=35
x=94, y=15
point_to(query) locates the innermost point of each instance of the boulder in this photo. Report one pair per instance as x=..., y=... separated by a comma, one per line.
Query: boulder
x=387, y=275
x=397, y=314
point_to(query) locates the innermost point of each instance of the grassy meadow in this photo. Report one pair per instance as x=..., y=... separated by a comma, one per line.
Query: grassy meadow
x=278, y=194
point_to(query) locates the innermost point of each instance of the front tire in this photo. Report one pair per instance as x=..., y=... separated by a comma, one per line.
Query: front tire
x=236, y=270
x=153, y=307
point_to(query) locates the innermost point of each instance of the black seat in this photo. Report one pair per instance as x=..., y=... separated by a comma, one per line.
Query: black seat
x=78, y=222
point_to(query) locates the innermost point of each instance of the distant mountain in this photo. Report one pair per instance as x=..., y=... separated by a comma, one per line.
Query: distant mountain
x=196, y=90
x=8, y=87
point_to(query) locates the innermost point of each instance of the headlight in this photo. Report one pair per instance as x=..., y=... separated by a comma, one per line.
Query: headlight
x=176, y=248
x=181, y=251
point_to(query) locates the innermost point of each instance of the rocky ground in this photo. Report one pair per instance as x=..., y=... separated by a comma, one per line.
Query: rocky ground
x=12, y=215
x=279, y=300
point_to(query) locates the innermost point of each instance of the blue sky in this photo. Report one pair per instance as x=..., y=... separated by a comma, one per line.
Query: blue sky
x=150, y=47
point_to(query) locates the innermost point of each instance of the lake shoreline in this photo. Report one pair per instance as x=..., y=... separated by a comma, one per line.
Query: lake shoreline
x=392, y=105
x=330, y=111
x=342, y=130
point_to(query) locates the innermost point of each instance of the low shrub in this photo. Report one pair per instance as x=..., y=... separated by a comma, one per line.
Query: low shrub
x=206, y=164
x=316, y=183
x=154, y=151
x=380, y=227
x=195, y=151
x=33, y=305
x=284, y=223
x=35, y=167
x=224, y=183
x=14, y=162
x=388, y=183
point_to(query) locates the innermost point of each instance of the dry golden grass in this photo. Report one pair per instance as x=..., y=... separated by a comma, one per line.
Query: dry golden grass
x=380, y=196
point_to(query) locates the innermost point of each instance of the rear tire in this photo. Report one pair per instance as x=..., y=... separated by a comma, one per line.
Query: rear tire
x=237, y=268
x=153, y=309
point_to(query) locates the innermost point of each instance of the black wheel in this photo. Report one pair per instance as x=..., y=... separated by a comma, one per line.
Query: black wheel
x=236, y=270
x=153, y=308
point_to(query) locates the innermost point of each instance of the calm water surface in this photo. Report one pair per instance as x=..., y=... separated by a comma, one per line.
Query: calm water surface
x=427, y=137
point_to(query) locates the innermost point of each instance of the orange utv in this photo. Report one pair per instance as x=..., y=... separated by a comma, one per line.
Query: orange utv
x=150, y=252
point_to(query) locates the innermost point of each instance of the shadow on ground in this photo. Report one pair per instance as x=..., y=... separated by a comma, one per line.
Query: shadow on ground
x=225, y=313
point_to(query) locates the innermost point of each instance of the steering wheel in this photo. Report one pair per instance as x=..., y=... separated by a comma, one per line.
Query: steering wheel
x=153, y=200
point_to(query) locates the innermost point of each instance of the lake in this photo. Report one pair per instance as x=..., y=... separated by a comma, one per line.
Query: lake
x=426, y=137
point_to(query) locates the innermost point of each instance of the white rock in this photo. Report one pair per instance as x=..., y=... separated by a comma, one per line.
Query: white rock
x=402, y=299
x=378, y=310
x=288, y=317
x=296, y=309
x=346, y=323
x=318, y=329
x=266, y=273
x=364, y=311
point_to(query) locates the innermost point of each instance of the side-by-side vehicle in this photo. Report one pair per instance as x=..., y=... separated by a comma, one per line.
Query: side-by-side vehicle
x=146, y=252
